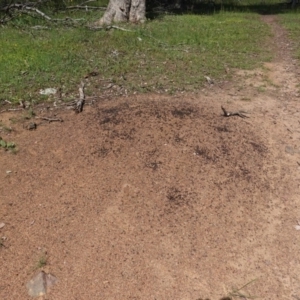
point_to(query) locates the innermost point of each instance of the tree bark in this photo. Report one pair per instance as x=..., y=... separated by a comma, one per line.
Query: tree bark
x=137, y=11
x=123, y=11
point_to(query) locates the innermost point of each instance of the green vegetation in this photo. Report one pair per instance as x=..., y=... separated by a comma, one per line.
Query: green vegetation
x=291, y=22
x=170, y=53
x=42, y=262
x=7, y=145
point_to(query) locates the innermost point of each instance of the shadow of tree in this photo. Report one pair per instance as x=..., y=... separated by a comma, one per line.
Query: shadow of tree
x=158, y=9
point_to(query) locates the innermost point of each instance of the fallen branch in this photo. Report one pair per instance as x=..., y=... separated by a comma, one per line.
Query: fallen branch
x=230, y=114
x=86, y=7
x=27, y=8
x=80, y=103
x=11, y=109
x=88, y=1
x=39, y=27
x=50, y=119
x=109, y=27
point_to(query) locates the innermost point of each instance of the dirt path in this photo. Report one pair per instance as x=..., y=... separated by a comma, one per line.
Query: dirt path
x=158, y=197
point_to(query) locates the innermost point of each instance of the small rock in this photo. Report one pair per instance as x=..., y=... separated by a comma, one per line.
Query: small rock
x=289, y=150
x=39, y=285
x=31, y=126
x=2, y=225
x=48, y=91
x=27, y=104
x=209, y=80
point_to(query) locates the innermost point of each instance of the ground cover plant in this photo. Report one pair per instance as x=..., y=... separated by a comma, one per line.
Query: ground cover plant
x=291, y=22
x=170, y=53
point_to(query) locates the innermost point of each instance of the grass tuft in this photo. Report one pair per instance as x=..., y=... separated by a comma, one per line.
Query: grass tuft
x=42, y=262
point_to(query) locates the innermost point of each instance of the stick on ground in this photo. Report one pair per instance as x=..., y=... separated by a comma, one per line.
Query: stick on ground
x=50, y=119
x=80, y=103
x=230, y=114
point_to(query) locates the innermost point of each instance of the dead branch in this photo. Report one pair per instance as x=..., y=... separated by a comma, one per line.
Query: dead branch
x=25, y=7
x=50, y=119
x=88, y=1
x=5, y=20
x=80, y=103
x=230, y=114
x=28, y=8
x=85, y=7
x=39, y=27
x=10, y=109
x=109, y=27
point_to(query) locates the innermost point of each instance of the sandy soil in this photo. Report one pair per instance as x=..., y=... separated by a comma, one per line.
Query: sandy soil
x=160, y=197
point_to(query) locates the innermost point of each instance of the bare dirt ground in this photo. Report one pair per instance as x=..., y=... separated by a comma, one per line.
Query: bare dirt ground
x=160, y=197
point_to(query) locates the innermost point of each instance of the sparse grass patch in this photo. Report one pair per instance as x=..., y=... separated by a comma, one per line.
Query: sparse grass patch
x=246, y=99
x=261, y=88
x=8, y=146
x=42, y=262
x=168, y=54
x=5, y=128
x=291, y=22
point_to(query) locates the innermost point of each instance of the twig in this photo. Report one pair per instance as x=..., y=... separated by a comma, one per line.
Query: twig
x=88, y=1
x=86, y=7
x=50, y=119
x=81, y=101
x=27, y=7
x=230, y=114
x=10, y=109
x=237, y=293
x=30, y=7
x=39, y=27
x=109, y=27
x=5, y=19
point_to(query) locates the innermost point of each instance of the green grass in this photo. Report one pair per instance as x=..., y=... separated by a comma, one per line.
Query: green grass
x=42, y=261
x=8, y=146
x=168, y=54
x=291, y=22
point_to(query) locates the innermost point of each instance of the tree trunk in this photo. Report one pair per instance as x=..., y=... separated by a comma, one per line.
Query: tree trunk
x=137, y=11
x=124, y=10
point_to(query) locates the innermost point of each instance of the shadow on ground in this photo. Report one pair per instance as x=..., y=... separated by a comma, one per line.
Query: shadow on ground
x=207, y=7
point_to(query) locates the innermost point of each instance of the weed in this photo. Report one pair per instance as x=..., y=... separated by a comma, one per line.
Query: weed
x=238, y=293
x=42, y=262
x=5, y=128
x=7, y=145
x=261, y=88
x=245, y=99
x=29, y=114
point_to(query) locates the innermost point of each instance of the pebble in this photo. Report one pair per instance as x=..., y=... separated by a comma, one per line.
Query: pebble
x=289, y=150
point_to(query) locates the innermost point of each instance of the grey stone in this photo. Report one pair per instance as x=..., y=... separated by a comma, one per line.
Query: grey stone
x=289, y=150
x=40, y=284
